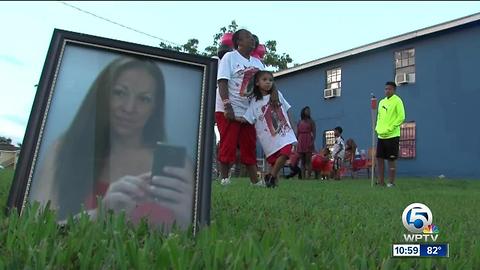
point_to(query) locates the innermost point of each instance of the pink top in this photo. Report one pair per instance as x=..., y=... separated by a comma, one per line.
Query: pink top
x=155, y=213
x=305, y=137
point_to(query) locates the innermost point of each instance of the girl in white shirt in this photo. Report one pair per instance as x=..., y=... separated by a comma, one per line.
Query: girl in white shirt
x=273, y=126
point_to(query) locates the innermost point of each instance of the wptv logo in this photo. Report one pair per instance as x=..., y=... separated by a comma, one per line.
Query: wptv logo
x=417, y=219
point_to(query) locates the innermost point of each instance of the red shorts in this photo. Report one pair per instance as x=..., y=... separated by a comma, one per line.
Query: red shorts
x=284, y=151
x=234, y=134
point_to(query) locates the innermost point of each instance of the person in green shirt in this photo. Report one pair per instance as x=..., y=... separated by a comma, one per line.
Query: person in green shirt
x=391, y=115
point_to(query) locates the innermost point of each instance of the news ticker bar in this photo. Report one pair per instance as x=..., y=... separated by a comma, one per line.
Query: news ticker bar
x=420, y=250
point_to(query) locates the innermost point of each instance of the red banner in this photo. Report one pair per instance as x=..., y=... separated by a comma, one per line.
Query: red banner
x=373, y=102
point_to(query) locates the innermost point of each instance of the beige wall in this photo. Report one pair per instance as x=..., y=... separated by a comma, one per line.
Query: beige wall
x=8, y=158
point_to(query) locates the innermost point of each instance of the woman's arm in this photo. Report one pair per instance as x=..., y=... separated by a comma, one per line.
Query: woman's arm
x=223, y=90
x=314, y=130
x=241, y=119
x=175, y=192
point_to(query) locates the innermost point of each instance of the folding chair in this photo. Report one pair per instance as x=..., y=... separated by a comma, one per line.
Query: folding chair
x=261, y=167
x=359, y=165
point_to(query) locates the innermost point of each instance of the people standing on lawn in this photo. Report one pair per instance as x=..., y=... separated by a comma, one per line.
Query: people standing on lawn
x=306, y=131
x=391, y=115
x=235, y=70
x=275, y=134
x=338, y=152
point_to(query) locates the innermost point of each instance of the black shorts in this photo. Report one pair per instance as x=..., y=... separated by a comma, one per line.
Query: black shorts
x=388, y=148
x=337, y=163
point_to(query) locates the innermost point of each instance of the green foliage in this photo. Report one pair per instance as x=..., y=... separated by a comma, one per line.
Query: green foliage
x=300, y=225
x=5, y=140
x=190, y=47
x=272, y=58
x=212, y=49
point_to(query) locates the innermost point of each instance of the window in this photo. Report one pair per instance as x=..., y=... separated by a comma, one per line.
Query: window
x=405, y=66
x=407, y=140
x=328, y=139
x=334, y=78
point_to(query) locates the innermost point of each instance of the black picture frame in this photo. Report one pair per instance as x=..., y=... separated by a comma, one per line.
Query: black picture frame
x=56, y=63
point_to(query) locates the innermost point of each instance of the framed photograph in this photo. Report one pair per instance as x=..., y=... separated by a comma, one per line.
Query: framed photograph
x=122, y=127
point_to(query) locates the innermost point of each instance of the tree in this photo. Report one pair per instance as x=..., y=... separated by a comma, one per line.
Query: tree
x=272, y=58
x=5, y=140
x=190, y=47
x=212, y=50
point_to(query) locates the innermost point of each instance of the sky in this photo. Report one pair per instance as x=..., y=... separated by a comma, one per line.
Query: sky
x=304, y=30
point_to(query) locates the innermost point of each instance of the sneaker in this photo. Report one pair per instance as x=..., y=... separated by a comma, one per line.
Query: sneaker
x=390, y=185
x=225, y=181
x=269, y=181
x=260, y=183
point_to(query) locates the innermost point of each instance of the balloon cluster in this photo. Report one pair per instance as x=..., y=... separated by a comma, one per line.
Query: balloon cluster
x=226, y=45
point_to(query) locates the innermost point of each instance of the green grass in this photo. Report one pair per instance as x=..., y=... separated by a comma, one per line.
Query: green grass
x=300, y=225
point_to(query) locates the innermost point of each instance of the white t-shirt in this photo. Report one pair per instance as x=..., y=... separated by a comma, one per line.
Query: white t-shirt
x=273, y=127
x=339, y=147
x=238, y=70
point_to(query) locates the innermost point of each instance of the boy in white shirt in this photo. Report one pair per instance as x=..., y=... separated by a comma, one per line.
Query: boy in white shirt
x=338, y=152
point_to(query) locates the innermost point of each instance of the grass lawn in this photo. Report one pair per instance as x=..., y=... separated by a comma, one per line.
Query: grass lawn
x=300, y=225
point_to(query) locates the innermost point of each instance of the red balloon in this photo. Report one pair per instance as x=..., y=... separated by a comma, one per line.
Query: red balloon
x=259, y=52
x=227, y=39
x=316, y=162
x=319, y=163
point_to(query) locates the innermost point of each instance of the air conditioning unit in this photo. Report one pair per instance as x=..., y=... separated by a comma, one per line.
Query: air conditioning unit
x=328, y=93
x=401, y=78
x=332, y=92
x=337, y=92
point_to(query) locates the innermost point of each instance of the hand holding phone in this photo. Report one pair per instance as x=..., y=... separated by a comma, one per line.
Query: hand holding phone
x=166, y=155
x=173, y=187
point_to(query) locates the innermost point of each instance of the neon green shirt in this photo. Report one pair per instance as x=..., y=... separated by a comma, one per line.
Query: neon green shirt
x=391, y=115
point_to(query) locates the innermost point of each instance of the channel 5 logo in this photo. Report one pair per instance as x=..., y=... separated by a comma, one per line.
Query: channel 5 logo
x=417, y=218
